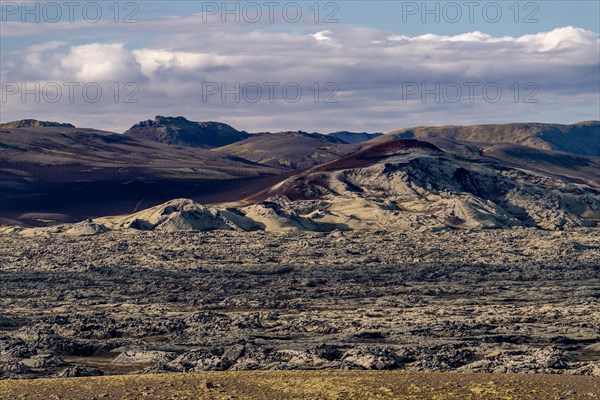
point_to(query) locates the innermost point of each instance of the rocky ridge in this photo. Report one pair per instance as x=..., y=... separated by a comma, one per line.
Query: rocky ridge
x=34, y=123
x=180, y=131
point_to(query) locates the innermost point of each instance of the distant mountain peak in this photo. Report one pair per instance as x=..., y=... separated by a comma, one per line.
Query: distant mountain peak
x=34, y=123
x=183, y=132
x=162, y=120
x=355, y=137
x=309, y=135
x=588, y=123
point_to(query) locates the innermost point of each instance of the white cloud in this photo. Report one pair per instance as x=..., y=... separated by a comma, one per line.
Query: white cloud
x=40, y=47
x=369, y=67
x=322, y=36
x=100, y=62
x=152, y=60
x=561, y=38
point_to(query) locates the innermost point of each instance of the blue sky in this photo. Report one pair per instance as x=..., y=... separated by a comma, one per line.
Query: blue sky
x=376, y=52
x=387, y=15
x=391, y=15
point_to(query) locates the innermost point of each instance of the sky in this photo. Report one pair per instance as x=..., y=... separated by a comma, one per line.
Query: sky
x=321, y=66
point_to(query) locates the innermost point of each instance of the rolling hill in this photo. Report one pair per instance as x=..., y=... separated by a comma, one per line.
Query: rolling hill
x=582, y=138
x=290, y=150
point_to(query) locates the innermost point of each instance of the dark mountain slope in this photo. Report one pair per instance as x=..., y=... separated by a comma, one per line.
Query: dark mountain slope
x=180, y=131
x=354, y=137
x=63, y=173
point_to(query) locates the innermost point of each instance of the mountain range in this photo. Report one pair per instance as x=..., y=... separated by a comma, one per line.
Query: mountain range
x=450, y=177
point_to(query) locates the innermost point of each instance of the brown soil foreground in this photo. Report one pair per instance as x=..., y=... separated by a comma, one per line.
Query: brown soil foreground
x=273, y=385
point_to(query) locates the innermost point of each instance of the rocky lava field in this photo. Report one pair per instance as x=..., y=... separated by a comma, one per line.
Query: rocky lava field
x=517, y=300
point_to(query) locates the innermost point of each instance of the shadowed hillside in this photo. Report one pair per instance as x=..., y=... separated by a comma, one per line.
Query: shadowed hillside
x=180, y=131
x=354, y=137
x=65, y=174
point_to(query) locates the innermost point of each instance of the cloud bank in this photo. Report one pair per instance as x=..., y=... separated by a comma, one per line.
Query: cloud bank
x=351, y=78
